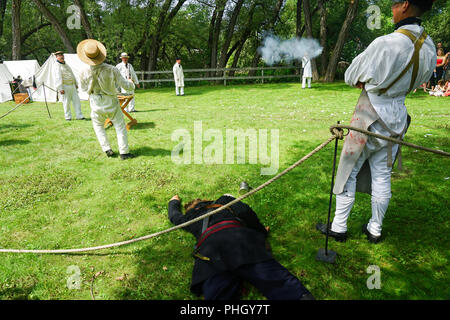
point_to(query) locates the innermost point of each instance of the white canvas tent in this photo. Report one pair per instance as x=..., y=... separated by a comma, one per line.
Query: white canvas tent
x=45, y=75
x=5, y=89
x=23, y=68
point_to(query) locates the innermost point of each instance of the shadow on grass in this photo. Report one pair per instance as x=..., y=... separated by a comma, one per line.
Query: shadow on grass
x=150, y=152
x=9, y=127
x=6, y=143
x=143, y=125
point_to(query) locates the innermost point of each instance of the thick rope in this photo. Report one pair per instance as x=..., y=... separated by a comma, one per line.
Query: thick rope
x=337, y=132
x=118, y=244
x=379, y=136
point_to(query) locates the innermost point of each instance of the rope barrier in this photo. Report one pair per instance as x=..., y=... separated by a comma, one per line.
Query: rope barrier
x=379, y=136
x=337, y=132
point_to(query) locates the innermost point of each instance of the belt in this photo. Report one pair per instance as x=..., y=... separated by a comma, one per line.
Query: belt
x=226, y=224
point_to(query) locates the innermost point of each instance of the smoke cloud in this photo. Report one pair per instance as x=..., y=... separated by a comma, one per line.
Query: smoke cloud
x=275, y=50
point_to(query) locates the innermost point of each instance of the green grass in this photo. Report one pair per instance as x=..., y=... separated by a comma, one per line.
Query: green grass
x=58, y=190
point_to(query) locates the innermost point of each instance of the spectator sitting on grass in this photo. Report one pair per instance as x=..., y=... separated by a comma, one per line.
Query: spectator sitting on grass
x=439, y=90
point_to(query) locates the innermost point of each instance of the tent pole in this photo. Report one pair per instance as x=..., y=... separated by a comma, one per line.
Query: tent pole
x=45, y=98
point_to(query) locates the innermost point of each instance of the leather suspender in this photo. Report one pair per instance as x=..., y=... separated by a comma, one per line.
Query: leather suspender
x=418, y=42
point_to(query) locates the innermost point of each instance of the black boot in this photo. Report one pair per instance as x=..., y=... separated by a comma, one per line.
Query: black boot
x=127, y=156
x=341, y=237
x=370, y=237
x=109, y=153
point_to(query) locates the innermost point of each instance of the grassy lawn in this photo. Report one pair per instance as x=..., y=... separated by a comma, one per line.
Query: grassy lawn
x=59, y=190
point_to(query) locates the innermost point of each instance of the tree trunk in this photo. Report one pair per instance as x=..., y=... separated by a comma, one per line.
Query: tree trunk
x=323, y=36
x=220, y=7
x=56, y=25
x=229, y=35
x=298, y=22
x=271, y=27
x=2, y=15
x=16, y=29
x=332, y=65
x=308, y=25
x=163, y=22
x=84, y=19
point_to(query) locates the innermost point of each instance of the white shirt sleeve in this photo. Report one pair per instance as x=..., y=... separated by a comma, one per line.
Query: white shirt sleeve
x=122, y=82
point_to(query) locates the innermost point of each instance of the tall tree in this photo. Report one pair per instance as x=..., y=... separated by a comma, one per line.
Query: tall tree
x=323, y=36
x=2, y=15
x=164, y=19
x=214, y=34
x=308, y=25
x=16, y=29
x=56, y=25
x=298, y=20
x=84, y=19
x=332, y=64
x=229, y=34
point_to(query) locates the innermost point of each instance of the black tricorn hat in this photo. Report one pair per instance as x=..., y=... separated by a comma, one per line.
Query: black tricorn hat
x=424, y=5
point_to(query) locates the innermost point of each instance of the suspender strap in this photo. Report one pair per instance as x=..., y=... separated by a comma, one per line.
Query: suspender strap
x=206, y=220
x=418, y=43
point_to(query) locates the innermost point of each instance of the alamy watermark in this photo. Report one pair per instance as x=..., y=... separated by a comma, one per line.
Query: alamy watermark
x=374, y=281
x=212, y=146
x=374, y=19
x=73, y=280
x=74, y=20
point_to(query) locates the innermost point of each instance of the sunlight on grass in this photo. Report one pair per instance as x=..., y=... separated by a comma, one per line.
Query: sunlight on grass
x=58, y=190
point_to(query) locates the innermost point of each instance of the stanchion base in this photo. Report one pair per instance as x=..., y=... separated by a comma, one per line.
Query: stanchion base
x=330, y=258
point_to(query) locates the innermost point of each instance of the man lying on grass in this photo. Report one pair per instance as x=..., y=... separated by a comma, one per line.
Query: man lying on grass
x=232, y=247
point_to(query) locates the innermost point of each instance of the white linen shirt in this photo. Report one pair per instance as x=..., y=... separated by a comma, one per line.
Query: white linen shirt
x=381, y=63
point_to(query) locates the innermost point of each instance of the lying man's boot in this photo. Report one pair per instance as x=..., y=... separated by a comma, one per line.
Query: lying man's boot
x=109, y=153
x=341, y=237
x=370, y=237
x=127, y=156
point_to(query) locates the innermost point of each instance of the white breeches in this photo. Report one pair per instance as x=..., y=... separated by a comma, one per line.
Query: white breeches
x=179, y=90
x=99, y=115
x=304, y=82
x=71, y=95
x=381, y=188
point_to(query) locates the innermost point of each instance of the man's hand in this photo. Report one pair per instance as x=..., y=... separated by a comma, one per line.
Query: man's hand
x=62, y=92
x=175, y=197
x=360, y=85
x=138, y=85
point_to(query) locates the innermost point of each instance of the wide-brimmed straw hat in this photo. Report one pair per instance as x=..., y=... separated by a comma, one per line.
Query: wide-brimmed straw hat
x=91, y=52
x=124, y=55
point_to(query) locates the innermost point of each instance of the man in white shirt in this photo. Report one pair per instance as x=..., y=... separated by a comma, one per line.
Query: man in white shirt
x=390, y=67
x=66, y=85
x=127, y=71
x=178, y=76
x=101, y=81
x=307, y=72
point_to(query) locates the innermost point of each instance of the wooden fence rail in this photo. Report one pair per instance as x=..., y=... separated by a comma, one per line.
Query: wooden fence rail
x=220, y=74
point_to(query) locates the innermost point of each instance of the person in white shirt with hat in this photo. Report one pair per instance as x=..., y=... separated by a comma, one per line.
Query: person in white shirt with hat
x=127, y=71
x=66, y=85
x=101, y=81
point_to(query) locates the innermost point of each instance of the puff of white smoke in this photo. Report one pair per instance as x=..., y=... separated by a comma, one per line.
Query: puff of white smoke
x=275, y=50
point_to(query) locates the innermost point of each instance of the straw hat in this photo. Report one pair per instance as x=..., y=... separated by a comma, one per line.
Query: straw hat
x=124, y=55
x=58, y=53
x=91, y=52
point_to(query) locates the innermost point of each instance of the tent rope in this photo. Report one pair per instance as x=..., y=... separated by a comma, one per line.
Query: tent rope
x=337, y=133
